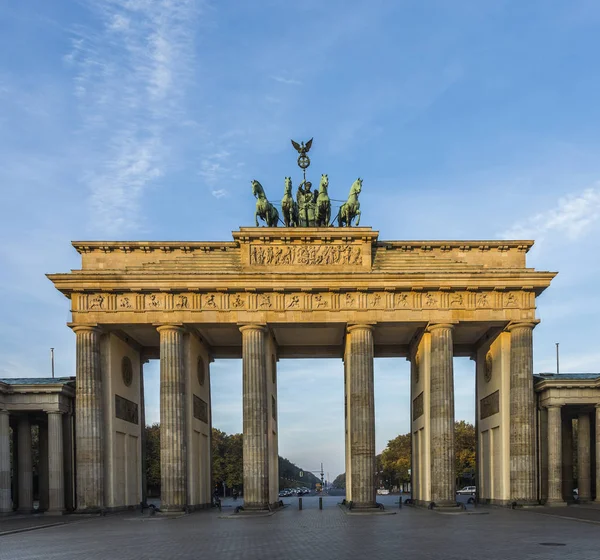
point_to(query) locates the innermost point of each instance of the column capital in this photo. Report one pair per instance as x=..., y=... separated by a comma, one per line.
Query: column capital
x=169, y=327
x=554, y=405
x=85, y=328
x=360, y=326
x=597, y=405
x=435, y=326
x=522, y=325
x=4, y=411
x=252, y=327
x=54, y=412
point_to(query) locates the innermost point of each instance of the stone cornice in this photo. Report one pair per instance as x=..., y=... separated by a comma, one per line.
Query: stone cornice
x=546, y=384
x=151, y=246
x=501, y=280
x=246, y=235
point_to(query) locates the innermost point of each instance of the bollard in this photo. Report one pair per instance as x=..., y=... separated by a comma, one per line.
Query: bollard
x=300, y=504
x=400, y=502
x=320, y=502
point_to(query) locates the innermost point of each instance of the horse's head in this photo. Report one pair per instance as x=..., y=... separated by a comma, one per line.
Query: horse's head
x=356, y=187
x=257, y=189
x=288, y=186
x=324, y=183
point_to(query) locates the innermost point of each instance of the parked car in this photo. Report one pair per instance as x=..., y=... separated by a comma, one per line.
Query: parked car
x=467, y=491
x=383, y=491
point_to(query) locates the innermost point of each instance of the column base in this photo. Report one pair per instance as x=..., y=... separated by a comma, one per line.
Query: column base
x=26, y=511
x=555, y=503
x=172, y=509
x=55, y=512
x=89, y=510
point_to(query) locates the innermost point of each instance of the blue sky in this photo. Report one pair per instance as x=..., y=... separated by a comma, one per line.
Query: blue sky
x=147, y=119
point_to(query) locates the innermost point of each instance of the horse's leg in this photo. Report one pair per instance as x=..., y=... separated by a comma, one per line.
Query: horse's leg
x=256, y=218
x=357, y=217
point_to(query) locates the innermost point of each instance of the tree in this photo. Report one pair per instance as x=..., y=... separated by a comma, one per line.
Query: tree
x=394, y=461
x=153, y=459
x=340, y=481
x=464, y=447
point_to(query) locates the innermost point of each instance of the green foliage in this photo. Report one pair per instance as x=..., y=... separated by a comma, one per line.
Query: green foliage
x=227, y=463
x=464, y=447
x=289, y=476
x=153, y=459
x=340, y=481
x=394, y=461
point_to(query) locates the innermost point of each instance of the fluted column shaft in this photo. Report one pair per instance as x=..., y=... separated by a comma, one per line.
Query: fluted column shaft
x=362, y=415
x=583, y=458
x=43, y=467
x=89, y=421
x=144, y=462
x=256, y=410
x=443, y=491
x=56, y=471
x=5, y=500
x=173, y=451
x=597, y=411
x=25, y=465
x=523, y=487
x=555, y=456
x=567, y=457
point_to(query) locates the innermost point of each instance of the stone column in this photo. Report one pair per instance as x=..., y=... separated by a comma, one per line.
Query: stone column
x=25, y=465
x=362, y=416
x=43, y=467
x=5, y=500
x=523, y=484
x=597, y=445
x=256, y=410
x=56, y=471
x=89, y=421
x=555, y=456
x=583, y=457
x=69, y=452
x=567, y=456
x=144, y=460
x=173, y=449
x=443, y=491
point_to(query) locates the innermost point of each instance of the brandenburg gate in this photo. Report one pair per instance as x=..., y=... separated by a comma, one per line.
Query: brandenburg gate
x=275, y=293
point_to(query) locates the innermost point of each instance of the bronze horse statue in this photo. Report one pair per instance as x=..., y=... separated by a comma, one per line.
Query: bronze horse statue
x=351, y=208
x=264, y=209
x=289, y=207
x=323, y=211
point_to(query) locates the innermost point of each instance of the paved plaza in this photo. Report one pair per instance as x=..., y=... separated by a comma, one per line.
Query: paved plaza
x=312, y=534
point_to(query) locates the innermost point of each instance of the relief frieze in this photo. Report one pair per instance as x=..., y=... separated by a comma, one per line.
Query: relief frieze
x=126, y=410
x=418, y=409
x=200, y=409
x=305, y=255
x=490, y=405
x=301, y=301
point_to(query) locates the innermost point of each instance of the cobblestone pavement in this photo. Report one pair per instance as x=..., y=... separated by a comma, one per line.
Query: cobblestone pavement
x=312, y=534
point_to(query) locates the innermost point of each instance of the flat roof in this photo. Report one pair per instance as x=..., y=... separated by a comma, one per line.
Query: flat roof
x=37, y=380
x=542, y=376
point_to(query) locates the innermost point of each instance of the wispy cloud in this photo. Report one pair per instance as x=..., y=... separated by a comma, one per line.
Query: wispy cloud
x=219, y=193
x=287, y=81
x=131, y=73
x=573, y=217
